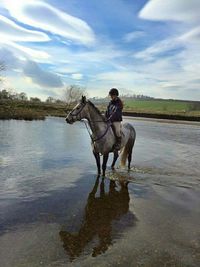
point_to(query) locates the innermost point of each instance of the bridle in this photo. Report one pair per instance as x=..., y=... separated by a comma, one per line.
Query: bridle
x=78, y=112
x=93, y=139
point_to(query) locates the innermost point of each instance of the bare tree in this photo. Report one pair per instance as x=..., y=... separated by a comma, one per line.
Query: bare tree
x=35, y=99
x=2, y=68
x=73, y=93
x=22, y=96
x=50, y=100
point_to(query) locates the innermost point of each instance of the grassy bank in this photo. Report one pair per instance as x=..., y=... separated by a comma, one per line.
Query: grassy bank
x=164, y=106
x=29, y=110
x=164, y=109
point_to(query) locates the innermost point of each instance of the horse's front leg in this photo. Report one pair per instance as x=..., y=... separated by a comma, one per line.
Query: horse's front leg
x=105, y=159
x=97, y=157
x=116, y=155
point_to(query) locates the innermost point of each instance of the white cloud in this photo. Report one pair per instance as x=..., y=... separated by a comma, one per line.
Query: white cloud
x=42, y=77
x=158, y=48
x=21, y=83
x=77, y=76
x=183, y=41
x=22, y=51
x=28, y=68
x=65, y=61
x=173, y=62
x=13, y=32
x=101, y=54
x=169, y=76
x=128, y=79
x=191, y=36
x=41, y=15
x=132, y=36
x=175, y=10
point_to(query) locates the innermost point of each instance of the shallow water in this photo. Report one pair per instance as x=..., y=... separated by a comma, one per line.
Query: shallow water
x=54, y=211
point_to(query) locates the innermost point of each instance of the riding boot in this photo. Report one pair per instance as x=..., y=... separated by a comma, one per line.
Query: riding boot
x=117, y=145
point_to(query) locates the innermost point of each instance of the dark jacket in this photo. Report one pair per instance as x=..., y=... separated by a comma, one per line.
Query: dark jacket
x=114, y=110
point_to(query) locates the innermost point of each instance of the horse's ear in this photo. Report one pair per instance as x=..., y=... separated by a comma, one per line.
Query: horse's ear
x=83, y=99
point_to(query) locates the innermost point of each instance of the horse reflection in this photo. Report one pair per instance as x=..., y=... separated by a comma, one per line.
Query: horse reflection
x=97, y=222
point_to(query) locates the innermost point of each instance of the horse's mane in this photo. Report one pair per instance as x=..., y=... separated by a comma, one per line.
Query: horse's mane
x=97, y=110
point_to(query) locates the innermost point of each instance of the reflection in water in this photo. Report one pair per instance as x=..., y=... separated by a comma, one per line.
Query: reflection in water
x=100, y=212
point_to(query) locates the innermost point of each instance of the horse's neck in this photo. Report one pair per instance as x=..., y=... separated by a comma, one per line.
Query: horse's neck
x=96, y=122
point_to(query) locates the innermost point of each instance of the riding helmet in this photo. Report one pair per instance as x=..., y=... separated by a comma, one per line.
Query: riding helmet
x=114, y=91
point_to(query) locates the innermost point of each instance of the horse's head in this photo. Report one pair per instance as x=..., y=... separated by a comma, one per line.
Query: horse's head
x=78, y=112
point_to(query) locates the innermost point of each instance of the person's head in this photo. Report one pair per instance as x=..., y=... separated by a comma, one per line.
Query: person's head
x=113, y=93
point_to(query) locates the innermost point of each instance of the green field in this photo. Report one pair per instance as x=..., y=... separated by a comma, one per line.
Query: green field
x=163, y=106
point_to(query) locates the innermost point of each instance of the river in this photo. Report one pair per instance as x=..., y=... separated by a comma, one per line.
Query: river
x=54, y=211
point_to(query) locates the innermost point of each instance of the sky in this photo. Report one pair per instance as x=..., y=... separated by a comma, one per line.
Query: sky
x=149, y=47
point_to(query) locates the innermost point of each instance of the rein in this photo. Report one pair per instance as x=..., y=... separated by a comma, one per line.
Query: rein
x=99, y=137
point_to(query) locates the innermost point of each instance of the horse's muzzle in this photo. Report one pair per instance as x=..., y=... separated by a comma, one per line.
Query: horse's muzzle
x=69, y=121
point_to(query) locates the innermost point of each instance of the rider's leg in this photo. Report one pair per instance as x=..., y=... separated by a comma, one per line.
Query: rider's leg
x=117, y=126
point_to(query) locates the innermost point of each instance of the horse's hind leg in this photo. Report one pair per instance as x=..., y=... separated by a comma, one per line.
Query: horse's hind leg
x=97, y=157
x=129, y=159
x=105, y=159
x=116, y=155
x=130, y=155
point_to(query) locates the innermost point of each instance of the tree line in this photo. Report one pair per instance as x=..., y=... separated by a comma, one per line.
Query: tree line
x=71, y=94
x=10, y=95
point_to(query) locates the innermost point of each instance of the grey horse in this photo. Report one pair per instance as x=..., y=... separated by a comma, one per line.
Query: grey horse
x=103, y=137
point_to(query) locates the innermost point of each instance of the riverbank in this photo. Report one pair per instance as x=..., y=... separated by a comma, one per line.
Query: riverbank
x=21, y=114
x=162, y=116
x=26, y=110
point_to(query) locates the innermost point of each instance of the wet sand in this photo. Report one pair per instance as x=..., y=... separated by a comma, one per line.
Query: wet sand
x=55, y=211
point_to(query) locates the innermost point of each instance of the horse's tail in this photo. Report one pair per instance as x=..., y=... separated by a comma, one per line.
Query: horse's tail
x=127, y=150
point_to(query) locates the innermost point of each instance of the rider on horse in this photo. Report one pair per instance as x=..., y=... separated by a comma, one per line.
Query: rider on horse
x=114, y=114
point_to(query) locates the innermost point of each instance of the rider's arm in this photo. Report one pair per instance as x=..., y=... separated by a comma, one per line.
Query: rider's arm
x=114, y=109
